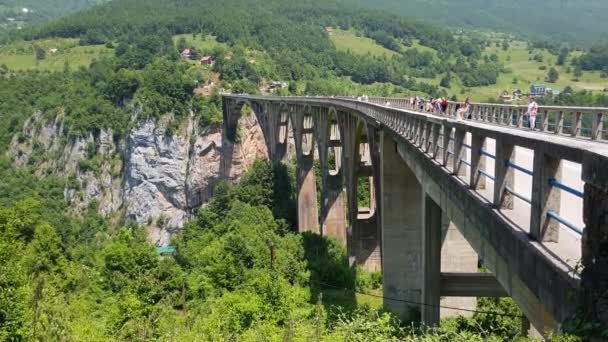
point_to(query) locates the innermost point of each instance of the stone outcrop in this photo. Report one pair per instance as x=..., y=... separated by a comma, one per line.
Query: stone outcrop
x=149, y=176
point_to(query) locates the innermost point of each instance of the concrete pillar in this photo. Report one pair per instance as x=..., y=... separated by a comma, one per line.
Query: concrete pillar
x=308, y=213
x=431, y=261
x=595, y=251
x=334, y=217
x=545, y=197
x=401, y=233
x=457, y=256
x=505, y=176
x=333, y=214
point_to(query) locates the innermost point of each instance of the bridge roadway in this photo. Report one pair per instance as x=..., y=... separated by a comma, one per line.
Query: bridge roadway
x=519, y=215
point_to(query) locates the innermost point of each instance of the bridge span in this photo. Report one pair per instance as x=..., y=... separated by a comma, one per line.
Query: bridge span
x=533, y=205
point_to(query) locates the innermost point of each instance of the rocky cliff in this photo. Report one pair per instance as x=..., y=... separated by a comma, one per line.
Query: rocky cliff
x=148, y=176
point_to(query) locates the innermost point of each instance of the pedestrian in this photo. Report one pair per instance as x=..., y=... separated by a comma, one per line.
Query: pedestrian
x=464, y=109
x=444, y=105
x=531, y=113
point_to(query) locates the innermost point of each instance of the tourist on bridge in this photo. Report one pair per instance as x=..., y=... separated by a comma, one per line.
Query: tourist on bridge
x=532, y=111
x=444, y=105
x=461, y=114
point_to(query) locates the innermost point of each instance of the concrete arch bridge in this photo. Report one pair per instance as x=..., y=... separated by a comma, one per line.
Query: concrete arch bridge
x=533, y=205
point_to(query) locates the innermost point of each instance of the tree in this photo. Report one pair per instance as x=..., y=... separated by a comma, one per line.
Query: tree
x=445, y=81
x=40, y=53
x=553, y=75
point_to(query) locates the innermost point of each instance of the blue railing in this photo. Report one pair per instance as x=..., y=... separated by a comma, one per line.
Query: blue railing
x=487, y=154
x=486, y=174
x=557, y=184
x=565, y=222
x=520, y=196
x=519, y=168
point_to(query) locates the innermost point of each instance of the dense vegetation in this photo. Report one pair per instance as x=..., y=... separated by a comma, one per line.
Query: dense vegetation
x=541, y=19
x=239, y=272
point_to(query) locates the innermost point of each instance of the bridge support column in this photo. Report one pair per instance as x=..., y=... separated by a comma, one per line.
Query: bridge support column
x=457, y=256
x=308, y=214
x=401, y=233
x=595, y=250
x=431, y=261
x=360, y=158
x=334, y=217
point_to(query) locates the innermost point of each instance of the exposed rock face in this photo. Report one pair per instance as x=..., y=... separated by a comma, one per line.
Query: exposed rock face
x=153, y=178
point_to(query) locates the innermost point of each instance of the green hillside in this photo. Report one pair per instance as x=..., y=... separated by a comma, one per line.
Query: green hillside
x=573, y=21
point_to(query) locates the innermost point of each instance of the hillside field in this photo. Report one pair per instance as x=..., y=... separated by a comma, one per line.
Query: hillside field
x=20, y=56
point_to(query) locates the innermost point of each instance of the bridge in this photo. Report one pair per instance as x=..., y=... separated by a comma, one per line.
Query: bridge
x=532, y=205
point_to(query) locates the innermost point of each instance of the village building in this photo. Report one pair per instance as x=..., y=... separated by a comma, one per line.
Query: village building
x=538, y=90
x=186, y=53
x=207, y=60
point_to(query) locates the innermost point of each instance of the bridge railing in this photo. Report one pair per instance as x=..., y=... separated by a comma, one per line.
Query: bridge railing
x=582, y=122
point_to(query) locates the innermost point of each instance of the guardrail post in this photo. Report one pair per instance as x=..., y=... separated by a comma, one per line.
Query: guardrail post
x=545, y=198
x=576, y=125
x=447, y=133
x=421, y=124
x=427, y=136
x=597, y=127
x=520, y=118
x=559, y=123
x=504, y=175
x=544, y=122
x=478, y=162
x=459, y=135
x=435, y=144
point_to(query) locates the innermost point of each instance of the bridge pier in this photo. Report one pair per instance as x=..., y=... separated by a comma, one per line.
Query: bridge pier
x=333, y=214
x=457, y=256
x=401, y=233
x=308, y=213
x=360, y=159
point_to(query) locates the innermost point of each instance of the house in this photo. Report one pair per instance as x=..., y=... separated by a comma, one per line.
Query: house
x=517, y=93
x=207, y=60
x=329, y=30
x=538, y=90
x=186, y=53
x=53, y=50
x=505, y=96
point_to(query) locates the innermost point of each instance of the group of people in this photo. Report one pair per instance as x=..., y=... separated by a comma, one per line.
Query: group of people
x=439, y=106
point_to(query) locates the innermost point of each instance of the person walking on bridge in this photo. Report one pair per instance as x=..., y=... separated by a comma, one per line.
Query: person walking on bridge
x=464, y=109
x=531, y=113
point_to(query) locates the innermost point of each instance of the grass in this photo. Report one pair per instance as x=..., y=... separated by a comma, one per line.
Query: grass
x=524, y=71
x=19, y=56
x=200, y=42
x=348, y=40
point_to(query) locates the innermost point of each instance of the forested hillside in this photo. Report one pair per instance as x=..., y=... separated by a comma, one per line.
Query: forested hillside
x=574, y=21
x=18, y=13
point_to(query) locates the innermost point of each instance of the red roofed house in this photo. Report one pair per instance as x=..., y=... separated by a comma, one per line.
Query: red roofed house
x=207, y=60
x=186, y=53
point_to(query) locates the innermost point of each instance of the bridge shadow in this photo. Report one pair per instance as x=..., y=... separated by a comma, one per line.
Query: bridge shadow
x=332, y=281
